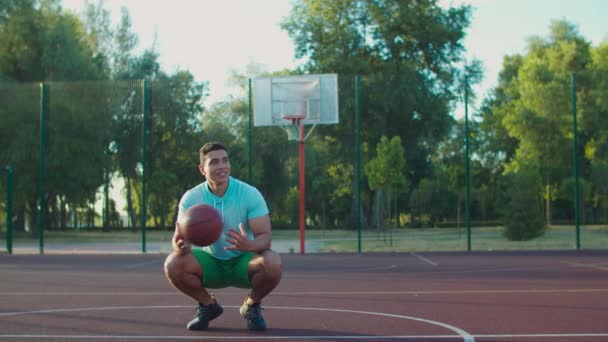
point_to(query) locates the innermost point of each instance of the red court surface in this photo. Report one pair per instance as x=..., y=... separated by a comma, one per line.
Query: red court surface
x=479, y=296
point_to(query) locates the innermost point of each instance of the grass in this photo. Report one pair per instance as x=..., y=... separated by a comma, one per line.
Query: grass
x=487, y=238
x=337, y=241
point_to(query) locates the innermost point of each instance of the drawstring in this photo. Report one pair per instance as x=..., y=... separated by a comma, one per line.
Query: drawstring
x=222, y=209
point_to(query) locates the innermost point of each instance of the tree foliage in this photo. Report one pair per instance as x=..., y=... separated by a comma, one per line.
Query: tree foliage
x=527, y=123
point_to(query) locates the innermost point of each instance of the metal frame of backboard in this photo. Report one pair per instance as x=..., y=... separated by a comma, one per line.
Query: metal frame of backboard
x=314, y=96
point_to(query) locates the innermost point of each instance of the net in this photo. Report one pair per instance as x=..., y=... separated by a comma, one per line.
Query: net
x=291, y=125
x=292, y=130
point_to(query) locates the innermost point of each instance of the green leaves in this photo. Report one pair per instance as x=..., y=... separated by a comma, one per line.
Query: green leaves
x=386, y=170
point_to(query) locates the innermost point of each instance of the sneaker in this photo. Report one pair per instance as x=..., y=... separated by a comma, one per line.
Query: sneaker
x=253, y=315
x=204, y=314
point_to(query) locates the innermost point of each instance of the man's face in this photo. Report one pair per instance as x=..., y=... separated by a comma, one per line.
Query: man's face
x=216, y=166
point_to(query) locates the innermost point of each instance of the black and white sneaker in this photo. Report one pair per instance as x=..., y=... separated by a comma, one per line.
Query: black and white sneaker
x=205, y=314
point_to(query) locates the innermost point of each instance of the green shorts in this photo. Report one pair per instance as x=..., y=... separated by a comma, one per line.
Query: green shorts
x=219, y=273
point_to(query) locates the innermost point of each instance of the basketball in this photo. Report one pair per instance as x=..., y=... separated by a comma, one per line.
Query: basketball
x=200, y=224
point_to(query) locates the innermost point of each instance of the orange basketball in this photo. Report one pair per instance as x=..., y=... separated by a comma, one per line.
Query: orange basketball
x=200, y=224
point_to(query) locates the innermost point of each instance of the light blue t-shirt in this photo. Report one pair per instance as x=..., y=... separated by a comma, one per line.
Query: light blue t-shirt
x=240, y=203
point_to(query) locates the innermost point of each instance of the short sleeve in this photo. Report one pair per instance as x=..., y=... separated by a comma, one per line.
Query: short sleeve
x=257, y=204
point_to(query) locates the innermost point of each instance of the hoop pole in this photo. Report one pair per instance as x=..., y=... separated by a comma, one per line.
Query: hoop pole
x=302, y=193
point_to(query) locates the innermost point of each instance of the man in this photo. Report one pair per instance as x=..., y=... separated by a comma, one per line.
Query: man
x=241, y=257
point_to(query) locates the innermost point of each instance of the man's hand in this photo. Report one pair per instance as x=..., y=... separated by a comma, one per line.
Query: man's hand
x=238, y=239
x=180, y=245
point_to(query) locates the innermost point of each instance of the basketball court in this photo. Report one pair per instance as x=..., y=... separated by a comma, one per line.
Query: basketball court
x=480, y=296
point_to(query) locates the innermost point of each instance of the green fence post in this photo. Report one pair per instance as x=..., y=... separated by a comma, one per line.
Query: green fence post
x=144, y=134
x=575, y=164
x=358, y=162
x=250, y=139
x=9, y=209
x=467, y=166
x=43, y=94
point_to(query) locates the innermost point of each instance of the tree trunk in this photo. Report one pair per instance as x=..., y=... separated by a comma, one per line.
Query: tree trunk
x=106, y=203
x=19, y=225
x=53, y=206
x=458, y=211
x=130, y=209
x=548, y=205
x=74, y=212
x=62, y=212
x=377, y=219
x=33, y=221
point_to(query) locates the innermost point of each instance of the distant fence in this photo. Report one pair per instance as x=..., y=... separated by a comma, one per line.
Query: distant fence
x=100, y=166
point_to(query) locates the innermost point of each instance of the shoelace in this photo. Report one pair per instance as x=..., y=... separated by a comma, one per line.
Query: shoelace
x=254, y=309
x=203, y=310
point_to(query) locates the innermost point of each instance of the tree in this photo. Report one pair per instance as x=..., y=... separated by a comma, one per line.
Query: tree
x=385, y=174
x=523, y=214
x=99, y=33
x=409, y=55
x=594, y=128
x=532, y=106
x=39, y=42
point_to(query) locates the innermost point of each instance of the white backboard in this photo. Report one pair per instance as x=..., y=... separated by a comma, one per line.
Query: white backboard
x=313, y=96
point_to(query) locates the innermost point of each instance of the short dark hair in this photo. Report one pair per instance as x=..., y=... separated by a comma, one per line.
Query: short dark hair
x=208, y=147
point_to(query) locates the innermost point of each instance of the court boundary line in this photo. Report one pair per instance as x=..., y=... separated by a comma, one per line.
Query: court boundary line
x=600, y=267
x=460, y=333
x=306, y=337
x=426, y=260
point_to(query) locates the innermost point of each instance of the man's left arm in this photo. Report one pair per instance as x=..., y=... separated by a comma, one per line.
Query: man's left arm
x=262, y=236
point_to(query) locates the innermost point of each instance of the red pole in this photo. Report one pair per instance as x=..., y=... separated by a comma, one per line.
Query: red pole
x=302, y=192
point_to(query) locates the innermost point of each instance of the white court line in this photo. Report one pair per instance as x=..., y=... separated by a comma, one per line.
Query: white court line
x=542, y=335
x=460, y=333
x=302, y=337
x=248, y=338
x=311, y=293
x=592, y=266
x=427, y=260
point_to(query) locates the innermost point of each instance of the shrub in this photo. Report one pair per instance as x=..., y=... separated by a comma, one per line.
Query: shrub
x=523, y=213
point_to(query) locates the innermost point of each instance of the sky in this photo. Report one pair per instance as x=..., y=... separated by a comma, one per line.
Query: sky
x=212, y=37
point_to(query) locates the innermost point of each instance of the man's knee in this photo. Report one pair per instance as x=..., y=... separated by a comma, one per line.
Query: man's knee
x=172, y=263
x=272, y=259
x=268, y=262
x=177, y=264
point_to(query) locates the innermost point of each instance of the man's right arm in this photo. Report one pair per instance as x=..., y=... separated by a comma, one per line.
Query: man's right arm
x=179, y=244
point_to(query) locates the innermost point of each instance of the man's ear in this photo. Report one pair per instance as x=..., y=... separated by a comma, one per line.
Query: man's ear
x=201, y=169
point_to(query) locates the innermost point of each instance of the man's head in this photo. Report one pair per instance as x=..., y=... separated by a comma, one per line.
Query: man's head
x=208, y=147
x=214, y=162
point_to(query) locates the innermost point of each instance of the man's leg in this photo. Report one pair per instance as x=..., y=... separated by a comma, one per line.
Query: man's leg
x=185, y=273
x=265, y=272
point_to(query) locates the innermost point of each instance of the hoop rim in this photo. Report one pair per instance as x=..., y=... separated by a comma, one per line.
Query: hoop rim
x=294, y=117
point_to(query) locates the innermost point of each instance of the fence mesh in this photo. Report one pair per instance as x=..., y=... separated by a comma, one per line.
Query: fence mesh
x=109, y=160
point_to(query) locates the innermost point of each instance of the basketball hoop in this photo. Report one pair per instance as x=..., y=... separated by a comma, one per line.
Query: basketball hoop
x=292, y=128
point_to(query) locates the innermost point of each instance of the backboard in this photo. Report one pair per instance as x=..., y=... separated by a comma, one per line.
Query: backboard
x=312, y=97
